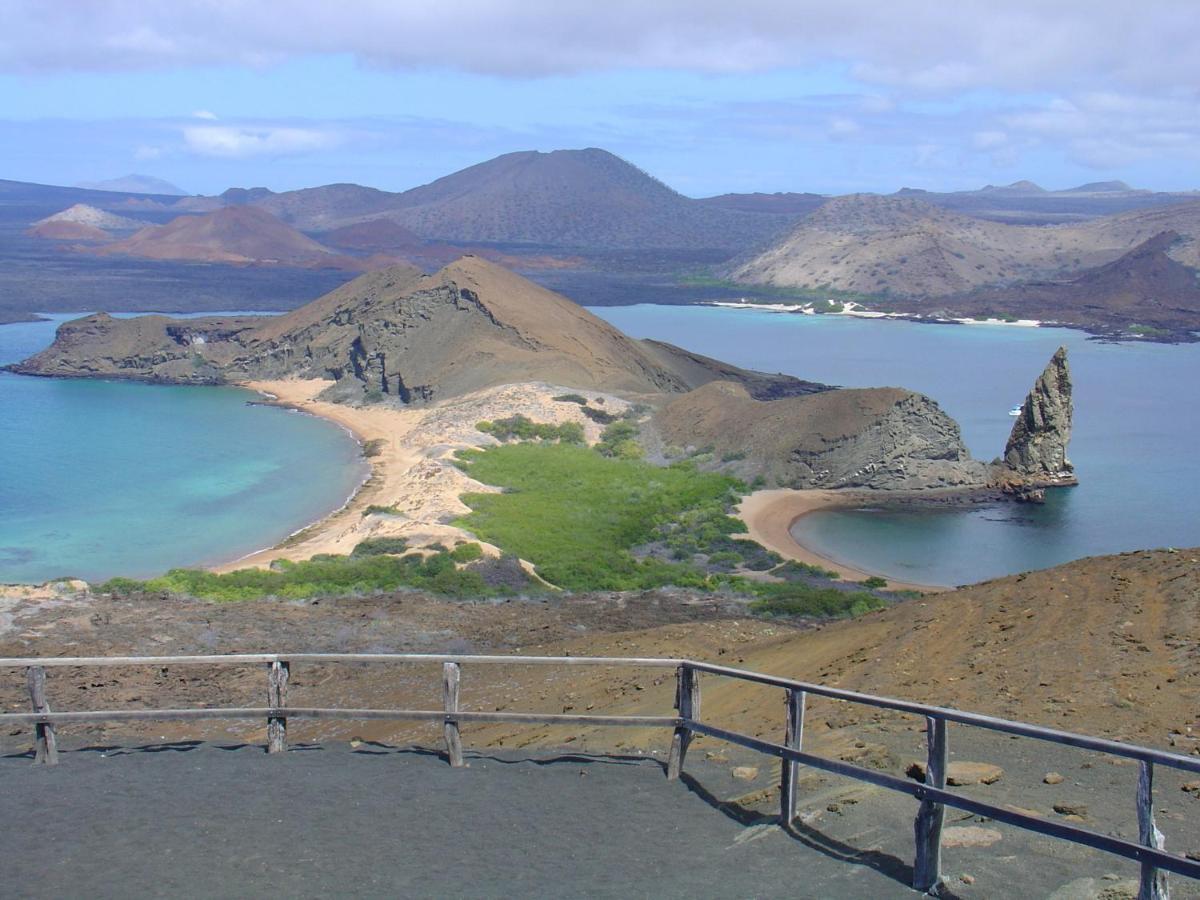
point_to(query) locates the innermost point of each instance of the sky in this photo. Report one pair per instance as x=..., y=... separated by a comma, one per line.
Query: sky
x=710, y=97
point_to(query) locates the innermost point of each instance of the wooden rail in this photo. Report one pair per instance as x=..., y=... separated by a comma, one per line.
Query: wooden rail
x=686, y=723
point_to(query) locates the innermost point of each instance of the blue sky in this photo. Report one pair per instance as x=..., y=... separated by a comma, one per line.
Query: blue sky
x=710, y=97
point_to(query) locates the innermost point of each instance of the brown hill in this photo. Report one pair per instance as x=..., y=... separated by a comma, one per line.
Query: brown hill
x=1104, y=645
x=374, y=236
x=320, y=208
x=907, y=247
x=236, y=234
x=833, y=439
x=69, y=231
x=401, y=334
x=82, y=222
x=574, y=198
x=1145, y=287
x=566, y=198
x=876, y=245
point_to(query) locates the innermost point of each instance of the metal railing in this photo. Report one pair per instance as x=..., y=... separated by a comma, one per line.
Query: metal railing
x=933, y=796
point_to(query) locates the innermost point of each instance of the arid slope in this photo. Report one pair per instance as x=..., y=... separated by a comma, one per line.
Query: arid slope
x=906, y=247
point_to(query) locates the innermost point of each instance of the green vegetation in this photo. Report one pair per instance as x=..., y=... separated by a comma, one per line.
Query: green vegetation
x=373, y=447
x=1148, y=331
x=324, y=575
x=619, y=440
x=578, y=515
x=380, y=545
x=464, y=553
x=376, y=510
x=571, y=398
x=523, y=428
x=874, y=582
x=595, y=522
x=827, y=306
x=766, y=292
x=806, y=600
x=793, y=570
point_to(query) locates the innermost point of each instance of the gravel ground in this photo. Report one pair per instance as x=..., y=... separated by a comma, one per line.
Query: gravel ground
x=212, y=820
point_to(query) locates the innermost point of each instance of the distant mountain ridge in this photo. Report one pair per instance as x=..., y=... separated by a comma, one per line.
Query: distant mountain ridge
x=135, y=184
x=908, y=247
x=565, y=198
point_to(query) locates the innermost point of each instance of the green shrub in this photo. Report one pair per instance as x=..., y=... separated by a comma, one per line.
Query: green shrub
x=466, y=552
x=616, y=439
x=523, y=428
x=794, y=569
x=325, y=575
x=572, y=398
x=376, y=510
x=874, y=582
x=380, y=545
x=805, y=600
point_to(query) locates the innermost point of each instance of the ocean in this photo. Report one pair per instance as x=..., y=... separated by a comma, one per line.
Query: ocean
x=104, y=478
x=1134, y=444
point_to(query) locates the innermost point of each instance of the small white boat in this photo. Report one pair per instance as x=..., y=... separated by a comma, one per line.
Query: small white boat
x=1015, y=411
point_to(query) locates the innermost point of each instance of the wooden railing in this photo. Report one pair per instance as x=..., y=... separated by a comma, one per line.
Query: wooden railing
x=685, y=723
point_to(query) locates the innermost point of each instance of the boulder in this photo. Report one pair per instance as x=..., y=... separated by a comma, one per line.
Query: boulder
x=960, y=773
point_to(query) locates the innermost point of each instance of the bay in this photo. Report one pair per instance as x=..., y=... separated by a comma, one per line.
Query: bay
x=101, y=478
x=1136, y=430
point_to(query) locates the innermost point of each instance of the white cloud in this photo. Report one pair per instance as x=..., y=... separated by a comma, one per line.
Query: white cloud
x=242, y=141
x=1107, y=130
x=910, y=44
x=988, y=140
x=204, y=114
x=841, y=128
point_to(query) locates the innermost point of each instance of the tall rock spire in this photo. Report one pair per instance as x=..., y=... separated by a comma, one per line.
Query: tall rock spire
x=1037, y=446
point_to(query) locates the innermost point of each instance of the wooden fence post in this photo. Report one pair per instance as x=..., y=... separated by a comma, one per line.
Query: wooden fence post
x=687, y=702
x=788, y=769
x=46, y=745
x=450, y=685
x=931, y=815
x=1153, y=882
x=277, y=684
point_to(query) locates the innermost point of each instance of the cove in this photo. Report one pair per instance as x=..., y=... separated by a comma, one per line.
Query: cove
x=104, y=478
x=1136, y=430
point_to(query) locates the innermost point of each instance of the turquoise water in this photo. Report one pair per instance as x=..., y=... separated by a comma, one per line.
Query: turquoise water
x=1134, y=446
x=103, y=478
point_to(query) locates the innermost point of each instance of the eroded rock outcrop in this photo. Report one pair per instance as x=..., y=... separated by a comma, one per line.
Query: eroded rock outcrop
x=1037, y=447
x=878, y=438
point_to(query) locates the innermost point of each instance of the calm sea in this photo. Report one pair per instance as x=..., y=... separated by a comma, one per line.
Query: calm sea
x=103, y=478
x=1137, y=430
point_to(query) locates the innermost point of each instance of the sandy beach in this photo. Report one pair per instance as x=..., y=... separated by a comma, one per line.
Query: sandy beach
x=770, y=514
x=414, y=489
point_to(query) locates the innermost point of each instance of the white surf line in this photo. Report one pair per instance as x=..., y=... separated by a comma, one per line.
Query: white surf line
x=857, y=311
